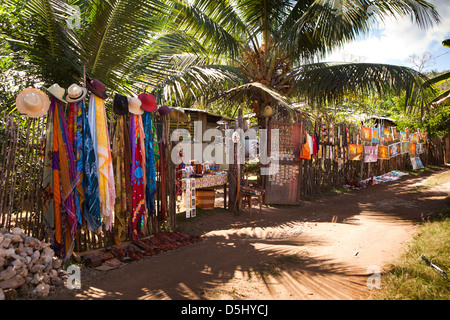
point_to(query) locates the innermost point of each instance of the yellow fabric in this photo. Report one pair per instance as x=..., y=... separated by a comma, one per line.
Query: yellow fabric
x=106, y=175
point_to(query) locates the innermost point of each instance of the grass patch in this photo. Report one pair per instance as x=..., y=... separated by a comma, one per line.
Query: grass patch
x=410, y=278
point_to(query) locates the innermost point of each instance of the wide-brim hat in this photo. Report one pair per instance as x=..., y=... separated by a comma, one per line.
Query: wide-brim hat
x=96, y=87
x=75, y=93
x=32, y=102
x=164, y=110
x=148, y=102
x=267, y=111
x=135, y=106
x=179, y=115
x=120, y=104
x=57, y=91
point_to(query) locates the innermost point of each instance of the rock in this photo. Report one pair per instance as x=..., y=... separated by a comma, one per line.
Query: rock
x=10, y=294
x=5, y=242
x=16, y=238
x=30, y=242
x=8, y=273
x=13, y=282
x=56, y=264
x=2, y=262
x=7, y=252
x=2, y=295
x=35, y=256
x=41, y=291
x=17, y=231
x=37, y=268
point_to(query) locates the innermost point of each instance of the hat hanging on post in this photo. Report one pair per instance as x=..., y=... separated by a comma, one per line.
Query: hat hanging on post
x=120, y=104
x=267, y=111
x=75, y=93
x=58, y=92
x=148, y=102
x=164, y=110
x=97, y=88
x=135, y=106
x=179, y=114
x=32, y=102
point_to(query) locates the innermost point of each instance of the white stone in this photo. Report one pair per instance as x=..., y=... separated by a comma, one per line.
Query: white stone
x=2, y=295
x=17, y=231
x=8, y=273
x=35, y=256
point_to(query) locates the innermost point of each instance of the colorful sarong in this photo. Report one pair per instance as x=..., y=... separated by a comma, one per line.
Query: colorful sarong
x=121, y=160
x=150, y=189
x=137, y=177
x=106, y=174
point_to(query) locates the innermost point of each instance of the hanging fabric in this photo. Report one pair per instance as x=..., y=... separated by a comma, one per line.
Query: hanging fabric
x=65, y=179
x=150, y=189
x=137, y=177
x=162, y=172
x=122, y=162
x=91, y=203
x=104, y=160
x=48, y=209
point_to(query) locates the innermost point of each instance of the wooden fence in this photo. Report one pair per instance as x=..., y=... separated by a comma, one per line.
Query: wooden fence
x=21, y=171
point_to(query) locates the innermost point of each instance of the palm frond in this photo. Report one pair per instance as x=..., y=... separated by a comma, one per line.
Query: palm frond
x=326, y=82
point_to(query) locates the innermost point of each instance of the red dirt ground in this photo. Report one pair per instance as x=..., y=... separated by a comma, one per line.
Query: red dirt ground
x=340, y=240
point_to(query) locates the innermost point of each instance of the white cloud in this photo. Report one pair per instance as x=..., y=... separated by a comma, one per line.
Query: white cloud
x=397, y=39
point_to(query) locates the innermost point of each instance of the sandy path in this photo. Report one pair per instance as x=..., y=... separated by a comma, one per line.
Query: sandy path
x=338, y=239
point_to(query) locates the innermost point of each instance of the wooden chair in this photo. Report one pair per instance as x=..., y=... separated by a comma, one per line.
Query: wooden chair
x=248, y=193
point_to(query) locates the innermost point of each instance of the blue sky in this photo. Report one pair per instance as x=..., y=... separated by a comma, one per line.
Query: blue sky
x=393, y=41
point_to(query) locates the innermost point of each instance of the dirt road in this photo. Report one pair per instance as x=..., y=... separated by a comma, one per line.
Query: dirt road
x=338, y=242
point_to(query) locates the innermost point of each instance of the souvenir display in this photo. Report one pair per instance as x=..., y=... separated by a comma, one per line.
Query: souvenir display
x=383, y=152
x=355, y=152
x=285, y=173
x=366, y=134
x=375, y=135
x=370, y=154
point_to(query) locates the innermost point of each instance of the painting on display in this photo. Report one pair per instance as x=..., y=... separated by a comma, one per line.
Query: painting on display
x=370, y=154
x=366, y=134
x=383, y=152
x=375, y=135
x=355, y=152
x=395, y=149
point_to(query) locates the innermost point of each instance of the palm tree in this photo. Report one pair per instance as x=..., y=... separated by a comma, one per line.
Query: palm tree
x=257, y=52
x=268, y=50
x=442, y=96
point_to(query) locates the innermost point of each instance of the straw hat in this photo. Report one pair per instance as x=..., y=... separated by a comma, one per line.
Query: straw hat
x=267, y=111
x=96, y=87
x=120, y=104
x=58, y=92
x=32, y=102
x=75, y=93
x=135, y=106
x=148, y=102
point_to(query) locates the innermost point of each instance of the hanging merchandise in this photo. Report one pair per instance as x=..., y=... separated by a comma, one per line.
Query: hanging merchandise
x=383, y=152
x=375, y=135
x=324, y=133
x=97, y=120
x=190, y=197
x=370, y=154
x=366, y=134
x=65, y=179
x=150, y=143
x=32, y=102
x=91, y=203
x=355, y=152
x=395, y=149
x=137, y=175
x=162, y=172
x=121, y=161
